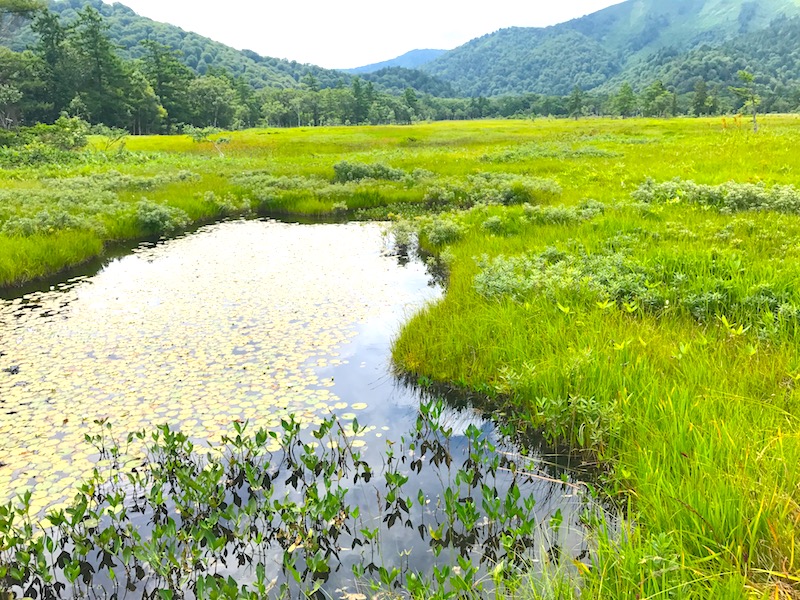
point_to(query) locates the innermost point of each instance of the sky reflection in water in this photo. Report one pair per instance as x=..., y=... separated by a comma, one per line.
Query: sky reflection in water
x=245, y=320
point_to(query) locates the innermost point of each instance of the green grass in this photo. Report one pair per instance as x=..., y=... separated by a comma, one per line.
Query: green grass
x=695, y=409
x=599, y=159
x=23, y=259
x=662, y=336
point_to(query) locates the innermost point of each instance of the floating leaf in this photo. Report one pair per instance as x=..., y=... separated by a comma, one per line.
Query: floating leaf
x=195, y=332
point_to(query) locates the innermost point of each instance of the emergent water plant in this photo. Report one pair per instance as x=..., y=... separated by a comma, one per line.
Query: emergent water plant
x=240, y=521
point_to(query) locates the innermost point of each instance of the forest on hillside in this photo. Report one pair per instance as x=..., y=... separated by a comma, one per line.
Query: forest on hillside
x=74, y=67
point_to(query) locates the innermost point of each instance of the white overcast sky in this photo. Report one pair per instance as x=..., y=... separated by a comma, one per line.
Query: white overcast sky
x=351, y=33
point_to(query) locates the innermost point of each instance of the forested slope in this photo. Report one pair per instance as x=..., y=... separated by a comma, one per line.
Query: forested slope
x=127, y=30
x=593, y=50
x=772, y=55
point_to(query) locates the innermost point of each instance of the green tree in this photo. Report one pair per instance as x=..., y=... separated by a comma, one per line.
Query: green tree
x=479, y=107
x=247, y=111
x=748, y=94
x=411, y=101
x=310, y=82
x=576, y=101
x=147, y=113
x=213, y=101
x=104, y=80
x=657, y=100
x=59, y=76
x=10, y=97
x=700, y=100
x=361, y=101
x=311, y=99
x=170, y=80
x=24, y=98
x=23, y=8
x=625, y=101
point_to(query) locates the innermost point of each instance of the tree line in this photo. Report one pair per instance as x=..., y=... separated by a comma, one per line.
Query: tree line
x=75, y=70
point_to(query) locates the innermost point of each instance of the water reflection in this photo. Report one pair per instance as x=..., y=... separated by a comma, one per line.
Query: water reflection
x=235, y=321
x=251, y=321
x=315, y=517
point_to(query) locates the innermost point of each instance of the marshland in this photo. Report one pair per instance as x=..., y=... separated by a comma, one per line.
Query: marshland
x=596, y=316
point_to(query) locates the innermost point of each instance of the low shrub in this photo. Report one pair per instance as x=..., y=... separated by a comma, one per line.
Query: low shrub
x=615, y=277
x=440, y=232
x=356, y=171
x=727, y=198
x=36, y=153
x=44, y=222
x=560, y=215
x=153, y=218
x=494, y=225
x=227, y=204
x=67, y=133
x=45, y=211
x=492, y=188
x=115, y=181
x=534, y=151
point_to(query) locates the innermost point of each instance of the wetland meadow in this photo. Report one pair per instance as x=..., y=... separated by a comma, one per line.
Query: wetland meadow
x=535, y=359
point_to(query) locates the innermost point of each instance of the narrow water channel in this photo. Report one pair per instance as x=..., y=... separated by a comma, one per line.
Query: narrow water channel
x=245, y=321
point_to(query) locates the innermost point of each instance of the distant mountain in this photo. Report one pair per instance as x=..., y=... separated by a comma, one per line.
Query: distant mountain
x=677, y=41
x=395, y=80
x=127, y=29
x=516, y=60
x=594, y=49
x=410, y=60
x=771, y=54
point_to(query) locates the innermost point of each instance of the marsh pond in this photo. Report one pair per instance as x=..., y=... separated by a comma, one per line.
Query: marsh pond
x=226, y=334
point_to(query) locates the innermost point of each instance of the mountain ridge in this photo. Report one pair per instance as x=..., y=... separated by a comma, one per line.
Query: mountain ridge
x=591, y=50
x=412, y=59
x=127, y=29
x=636, y=41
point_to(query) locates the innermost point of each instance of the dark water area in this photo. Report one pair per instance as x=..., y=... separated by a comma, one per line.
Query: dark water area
x=253, y=321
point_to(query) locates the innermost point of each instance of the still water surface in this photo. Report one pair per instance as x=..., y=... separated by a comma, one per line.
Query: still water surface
x=244, y=320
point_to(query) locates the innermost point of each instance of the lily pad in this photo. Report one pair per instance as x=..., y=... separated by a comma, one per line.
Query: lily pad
x=195, y=332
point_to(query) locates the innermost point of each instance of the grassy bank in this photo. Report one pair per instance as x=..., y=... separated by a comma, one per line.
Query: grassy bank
x=653, y=321
x=669, y=345
x=658, y=327
x=159, y=185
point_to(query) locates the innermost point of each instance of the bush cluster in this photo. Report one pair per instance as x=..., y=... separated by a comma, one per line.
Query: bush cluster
x=36, y=154
x=153, y=218
x=492, y=188
x=561, y=215
x=442, y=231
x=727, y=198
x=32, y=212
x=42, y=223
x=356, y=171
x=615, y=276
x=525, y=152
x=227, y=204
x=115, y=181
